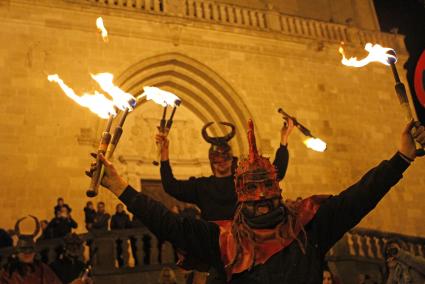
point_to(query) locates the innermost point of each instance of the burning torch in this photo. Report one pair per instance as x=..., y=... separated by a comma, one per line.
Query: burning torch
x=165, y=99
x=386, y=56
x=94, y=188
x=311, y=142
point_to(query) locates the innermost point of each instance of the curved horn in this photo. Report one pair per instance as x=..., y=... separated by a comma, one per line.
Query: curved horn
x=17, y=230
x=37, y=226
x=205, y=134
x=232, y=132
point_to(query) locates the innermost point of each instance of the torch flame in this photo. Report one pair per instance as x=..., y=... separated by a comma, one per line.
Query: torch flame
x=121, y=99
x=102, y=29
x=377, y=53
x=96, y=102
x=315, y=144
x=160, y=97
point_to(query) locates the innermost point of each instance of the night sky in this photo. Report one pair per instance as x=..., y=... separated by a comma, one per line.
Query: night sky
x=408, y=16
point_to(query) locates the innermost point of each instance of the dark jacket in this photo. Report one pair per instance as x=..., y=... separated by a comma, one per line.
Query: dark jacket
x=67, y=269
x=59, y=227
x=58, y=208
x=215, y=196
x=89, y=215
x=101, y=221
x=120, y=221
x=5, y=239
x=338, y=214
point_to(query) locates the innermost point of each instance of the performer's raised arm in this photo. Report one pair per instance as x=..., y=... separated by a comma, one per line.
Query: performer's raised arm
x=281, y=159
x=187, y=234
x=183, y=190
x=342, y=212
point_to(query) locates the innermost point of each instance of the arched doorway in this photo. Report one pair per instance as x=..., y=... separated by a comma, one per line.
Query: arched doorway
x=205, y=97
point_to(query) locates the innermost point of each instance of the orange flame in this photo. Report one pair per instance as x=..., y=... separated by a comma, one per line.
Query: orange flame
x=102, y=29
x=121, y=99
x=377, y=53
x=96, y=102
x=315, y=144
x=159, y=96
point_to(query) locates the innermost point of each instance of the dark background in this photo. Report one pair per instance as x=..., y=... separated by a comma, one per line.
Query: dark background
x=408, y=16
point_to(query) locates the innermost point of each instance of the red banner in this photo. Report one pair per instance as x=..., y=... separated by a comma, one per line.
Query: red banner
x=419, y=80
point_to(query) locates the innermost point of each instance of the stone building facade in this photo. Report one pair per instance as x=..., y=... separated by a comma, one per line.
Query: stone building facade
x=228, y=61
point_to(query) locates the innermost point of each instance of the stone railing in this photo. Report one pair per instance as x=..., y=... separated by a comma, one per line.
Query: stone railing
x=140, y=254
x=225, y=14
x=361, y=252
x=152, y=6
x=254, y=19
x=142, y=260
x=369, y=244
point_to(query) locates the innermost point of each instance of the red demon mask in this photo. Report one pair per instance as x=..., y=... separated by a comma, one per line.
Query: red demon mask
x=255, y=176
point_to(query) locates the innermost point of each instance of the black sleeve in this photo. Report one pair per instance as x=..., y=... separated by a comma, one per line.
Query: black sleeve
x=281, y=161
x=197, y=238
x=183, y=190
x=342, y=212
x=72, y=223
x=113, y=224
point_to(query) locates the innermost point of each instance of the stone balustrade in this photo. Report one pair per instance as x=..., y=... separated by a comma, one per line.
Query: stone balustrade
x=140, y=251
x=255, y=19
x=359, y=251
x=370, y=244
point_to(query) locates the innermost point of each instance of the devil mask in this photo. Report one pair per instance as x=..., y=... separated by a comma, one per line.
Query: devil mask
x=220, y=149
x=255, y=177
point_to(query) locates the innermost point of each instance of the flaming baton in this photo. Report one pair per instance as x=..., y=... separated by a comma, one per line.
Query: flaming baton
x=123, y=101
x=386, y=56
x=106, y=109
x=311, y=142
x=165, y=99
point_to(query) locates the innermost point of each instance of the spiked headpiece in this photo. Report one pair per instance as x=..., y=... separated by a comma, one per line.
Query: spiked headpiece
x=255, y=176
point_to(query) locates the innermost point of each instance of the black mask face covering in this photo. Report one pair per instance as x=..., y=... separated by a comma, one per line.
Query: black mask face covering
x=266, y=221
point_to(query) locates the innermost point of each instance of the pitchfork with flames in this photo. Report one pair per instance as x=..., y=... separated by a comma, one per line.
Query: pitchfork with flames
x=386, y=56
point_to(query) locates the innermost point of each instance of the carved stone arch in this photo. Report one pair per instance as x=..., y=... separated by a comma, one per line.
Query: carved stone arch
x=201, y=89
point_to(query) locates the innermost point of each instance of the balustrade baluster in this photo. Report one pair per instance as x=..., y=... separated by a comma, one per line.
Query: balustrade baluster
x=215, y=12
x=360, y=242
x=253, y=17
x=284, y=24
x=245, y=17
x=157, y=5
x=238, y=16
x=190, y=8
x=421, y=250
x=199, y=9
x=223, y=14
x=369, y=249
x=262, y=20
x=378, y=246
x=231, y=13
x=351, y=245
x=207, y=10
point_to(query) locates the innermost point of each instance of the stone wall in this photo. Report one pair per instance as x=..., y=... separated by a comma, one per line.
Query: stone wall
x=221, y=71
